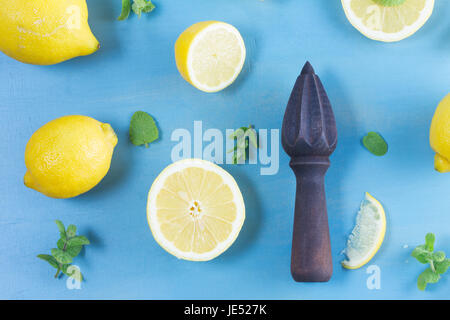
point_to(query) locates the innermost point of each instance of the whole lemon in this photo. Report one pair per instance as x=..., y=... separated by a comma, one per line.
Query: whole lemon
x=440, y=135
x=69, y=156
x=45, y=31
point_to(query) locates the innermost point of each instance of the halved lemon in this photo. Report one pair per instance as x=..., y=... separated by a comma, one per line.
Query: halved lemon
x=210, y=55
x=388, y=20
x=367, y=235
x=195, y=210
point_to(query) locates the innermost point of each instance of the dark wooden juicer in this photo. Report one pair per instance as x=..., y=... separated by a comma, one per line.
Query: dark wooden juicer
x=309, y=136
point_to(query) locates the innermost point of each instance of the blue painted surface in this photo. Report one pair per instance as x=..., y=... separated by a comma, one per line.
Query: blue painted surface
x=390, y=88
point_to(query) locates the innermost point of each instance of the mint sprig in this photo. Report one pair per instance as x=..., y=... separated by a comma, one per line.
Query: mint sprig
x=138, y=7
x=438, y=263
x=68, y=247
x=243, y=136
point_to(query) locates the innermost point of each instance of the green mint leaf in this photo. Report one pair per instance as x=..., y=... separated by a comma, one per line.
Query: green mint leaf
x=422, y=254
x=61, y=256
x=71, y=231
x=62, y=229
x=73, y=272
x=438, y=256
x=73, y=251
x=60, y=244
x=430, y=239
x=126, y=9
x=78, y=241
x=442, y=266
x=242, y=136
x=142, y=6
x=375, y=143
x=427, y=276
x=143, y=129
x=252, y=136
x=52, y=261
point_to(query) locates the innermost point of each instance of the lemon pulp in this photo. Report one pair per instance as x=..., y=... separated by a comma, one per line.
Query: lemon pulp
x=195, y=209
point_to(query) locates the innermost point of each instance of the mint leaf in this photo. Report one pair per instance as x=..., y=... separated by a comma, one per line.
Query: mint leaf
x=61, y=256
x=71, y=231
x=422, y=254
x=126, y=9
x=375, y=143
x=427, y=276
x=60, y=244
x=143, y=129
x=430, y=238
x=442, y=267
x=62, y=229
x=142, y=6
x=78, y=241
x=73, y=251
x=52, y=261
x=438, y=256
x=242, y=136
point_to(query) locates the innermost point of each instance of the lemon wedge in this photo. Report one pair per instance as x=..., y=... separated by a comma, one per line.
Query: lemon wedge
x=195, y=210
x=388, y=20
x=368, y=234
x=210, y=55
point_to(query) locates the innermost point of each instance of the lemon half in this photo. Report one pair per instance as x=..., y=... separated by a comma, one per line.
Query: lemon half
x=367, y=235
x=440, y=135
x=210, y=55
x=195, y=210
x=388, y=20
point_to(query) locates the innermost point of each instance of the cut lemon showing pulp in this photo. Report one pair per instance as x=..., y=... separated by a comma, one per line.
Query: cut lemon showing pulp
x=210, y=55
x=368, y=234
x=195, y=209
x=388, y=20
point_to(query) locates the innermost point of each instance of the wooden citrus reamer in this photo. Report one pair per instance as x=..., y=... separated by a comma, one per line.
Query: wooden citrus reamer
x=309, y=136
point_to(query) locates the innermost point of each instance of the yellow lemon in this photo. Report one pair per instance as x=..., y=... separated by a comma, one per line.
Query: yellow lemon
x=388, y=20
x=69, y=156
x=440, y=135
x=45, y=31
x=195, y=209
x=368, y=234
x=210, y=55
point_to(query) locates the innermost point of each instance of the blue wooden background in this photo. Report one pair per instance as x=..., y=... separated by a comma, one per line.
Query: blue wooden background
x=390, y=88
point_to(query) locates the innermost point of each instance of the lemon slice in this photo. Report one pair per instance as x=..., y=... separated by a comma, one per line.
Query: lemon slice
x=210, y=55
x=388, y=20
x=368, y=234
x=195, y=210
